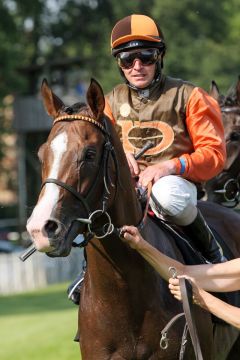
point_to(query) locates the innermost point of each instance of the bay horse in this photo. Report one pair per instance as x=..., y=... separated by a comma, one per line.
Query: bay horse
x=225, y=187
x=87, y=189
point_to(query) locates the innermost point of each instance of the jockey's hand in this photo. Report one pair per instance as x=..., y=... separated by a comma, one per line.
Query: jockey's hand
x=131, y=236
x=154, y=172
x=133, y=165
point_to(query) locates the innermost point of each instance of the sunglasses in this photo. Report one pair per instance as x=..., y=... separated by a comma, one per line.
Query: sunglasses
x=126, y=59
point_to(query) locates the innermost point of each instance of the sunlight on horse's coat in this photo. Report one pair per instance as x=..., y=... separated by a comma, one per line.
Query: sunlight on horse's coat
x=44, y=209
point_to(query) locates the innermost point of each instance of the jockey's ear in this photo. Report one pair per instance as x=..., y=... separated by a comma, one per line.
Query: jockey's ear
x=95, y=99
x=51, y=102
x=214, y=91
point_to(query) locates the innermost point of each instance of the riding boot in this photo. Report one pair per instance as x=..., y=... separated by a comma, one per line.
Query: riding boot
x=204, y=241
x=74, y=289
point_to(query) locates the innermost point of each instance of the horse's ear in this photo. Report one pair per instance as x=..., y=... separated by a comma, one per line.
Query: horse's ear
x=214, y=91
x=52, y=103
x=238, y=90
x=95, y=99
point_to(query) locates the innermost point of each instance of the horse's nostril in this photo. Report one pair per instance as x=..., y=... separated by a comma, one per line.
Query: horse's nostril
x=52, y=228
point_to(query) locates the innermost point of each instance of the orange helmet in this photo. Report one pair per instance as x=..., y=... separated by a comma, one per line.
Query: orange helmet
x=136, y=31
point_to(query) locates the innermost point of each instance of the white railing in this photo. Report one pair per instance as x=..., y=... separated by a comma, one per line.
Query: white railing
x=37, y=271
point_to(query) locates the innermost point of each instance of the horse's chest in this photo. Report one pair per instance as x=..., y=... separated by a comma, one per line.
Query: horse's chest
x=116, y=331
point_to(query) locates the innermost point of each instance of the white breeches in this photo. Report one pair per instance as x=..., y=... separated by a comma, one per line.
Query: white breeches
x=176, y=198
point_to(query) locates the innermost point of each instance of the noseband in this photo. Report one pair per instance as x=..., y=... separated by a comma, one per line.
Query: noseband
x=108, y=149
x=230, y=109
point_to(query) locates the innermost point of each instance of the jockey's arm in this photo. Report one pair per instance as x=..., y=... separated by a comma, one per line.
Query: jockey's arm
x=205, y=128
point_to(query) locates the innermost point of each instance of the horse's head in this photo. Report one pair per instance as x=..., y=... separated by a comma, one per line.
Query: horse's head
x=79, y=172
x=225, y=187
x=230, y=108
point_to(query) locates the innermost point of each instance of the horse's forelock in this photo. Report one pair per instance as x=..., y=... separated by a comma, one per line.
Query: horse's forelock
x=75, y=109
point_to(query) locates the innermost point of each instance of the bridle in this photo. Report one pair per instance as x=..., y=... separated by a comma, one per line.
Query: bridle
x=230, y=109
x=230, y=191
x=231, y=187
x=91, y=216
x=108, y=228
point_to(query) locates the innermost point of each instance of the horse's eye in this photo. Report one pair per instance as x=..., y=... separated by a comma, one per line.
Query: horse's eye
x=229, y=101
x=90, y=155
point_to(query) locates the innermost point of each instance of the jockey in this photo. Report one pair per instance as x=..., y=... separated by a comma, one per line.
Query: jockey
x=182, y=121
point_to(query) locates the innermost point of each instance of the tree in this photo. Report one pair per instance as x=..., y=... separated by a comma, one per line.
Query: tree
x=197, y=35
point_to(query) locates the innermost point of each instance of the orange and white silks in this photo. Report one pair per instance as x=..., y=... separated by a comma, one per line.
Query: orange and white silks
x=182, y=120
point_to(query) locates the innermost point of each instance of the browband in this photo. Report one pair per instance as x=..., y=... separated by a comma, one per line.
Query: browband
x=79, y=117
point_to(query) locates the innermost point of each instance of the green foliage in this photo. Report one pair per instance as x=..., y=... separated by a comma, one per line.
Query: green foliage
x=197, y=37
x=38, y=38
x=202, y=38
x=42, y=324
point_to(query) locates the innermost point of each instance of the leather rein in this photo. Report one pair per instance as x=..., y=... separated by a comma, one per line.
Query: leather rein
x=190, y=325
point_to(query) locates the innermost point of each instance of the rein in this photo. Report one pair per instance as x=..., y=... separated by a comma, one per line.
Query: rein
x=190, y=326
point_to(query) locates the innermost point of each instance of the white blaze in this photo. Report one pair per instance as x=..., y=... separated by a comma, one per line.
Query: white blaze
x=44, y=208
x=50, y=197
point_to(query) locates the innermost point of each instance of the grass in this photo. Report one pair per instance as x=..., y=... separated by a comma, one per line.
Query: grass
x=38, y=325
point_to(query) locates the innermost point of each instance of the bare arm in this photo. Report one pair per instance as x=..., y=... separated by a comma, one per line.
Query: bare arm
x=211, y=277
x=158, y=260
x=216, y=277
x=224, y=311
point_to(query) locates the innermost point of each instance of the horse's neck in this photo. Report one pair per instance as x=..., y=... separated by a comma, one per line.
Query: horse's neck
x=126, y=208
x=110, y=254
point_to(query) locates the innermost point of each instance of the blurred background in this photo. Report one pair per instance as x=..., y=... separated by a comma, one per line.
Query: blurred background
x=68, y=42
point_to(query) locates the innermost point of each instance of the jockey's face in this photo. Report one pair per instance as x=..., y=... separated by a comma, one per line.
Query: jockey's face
x=139, y=74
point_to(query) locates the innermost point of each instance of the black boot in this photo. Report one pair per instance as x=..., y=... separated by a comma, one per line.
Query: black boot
x=203, y=239
x=75, y=288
